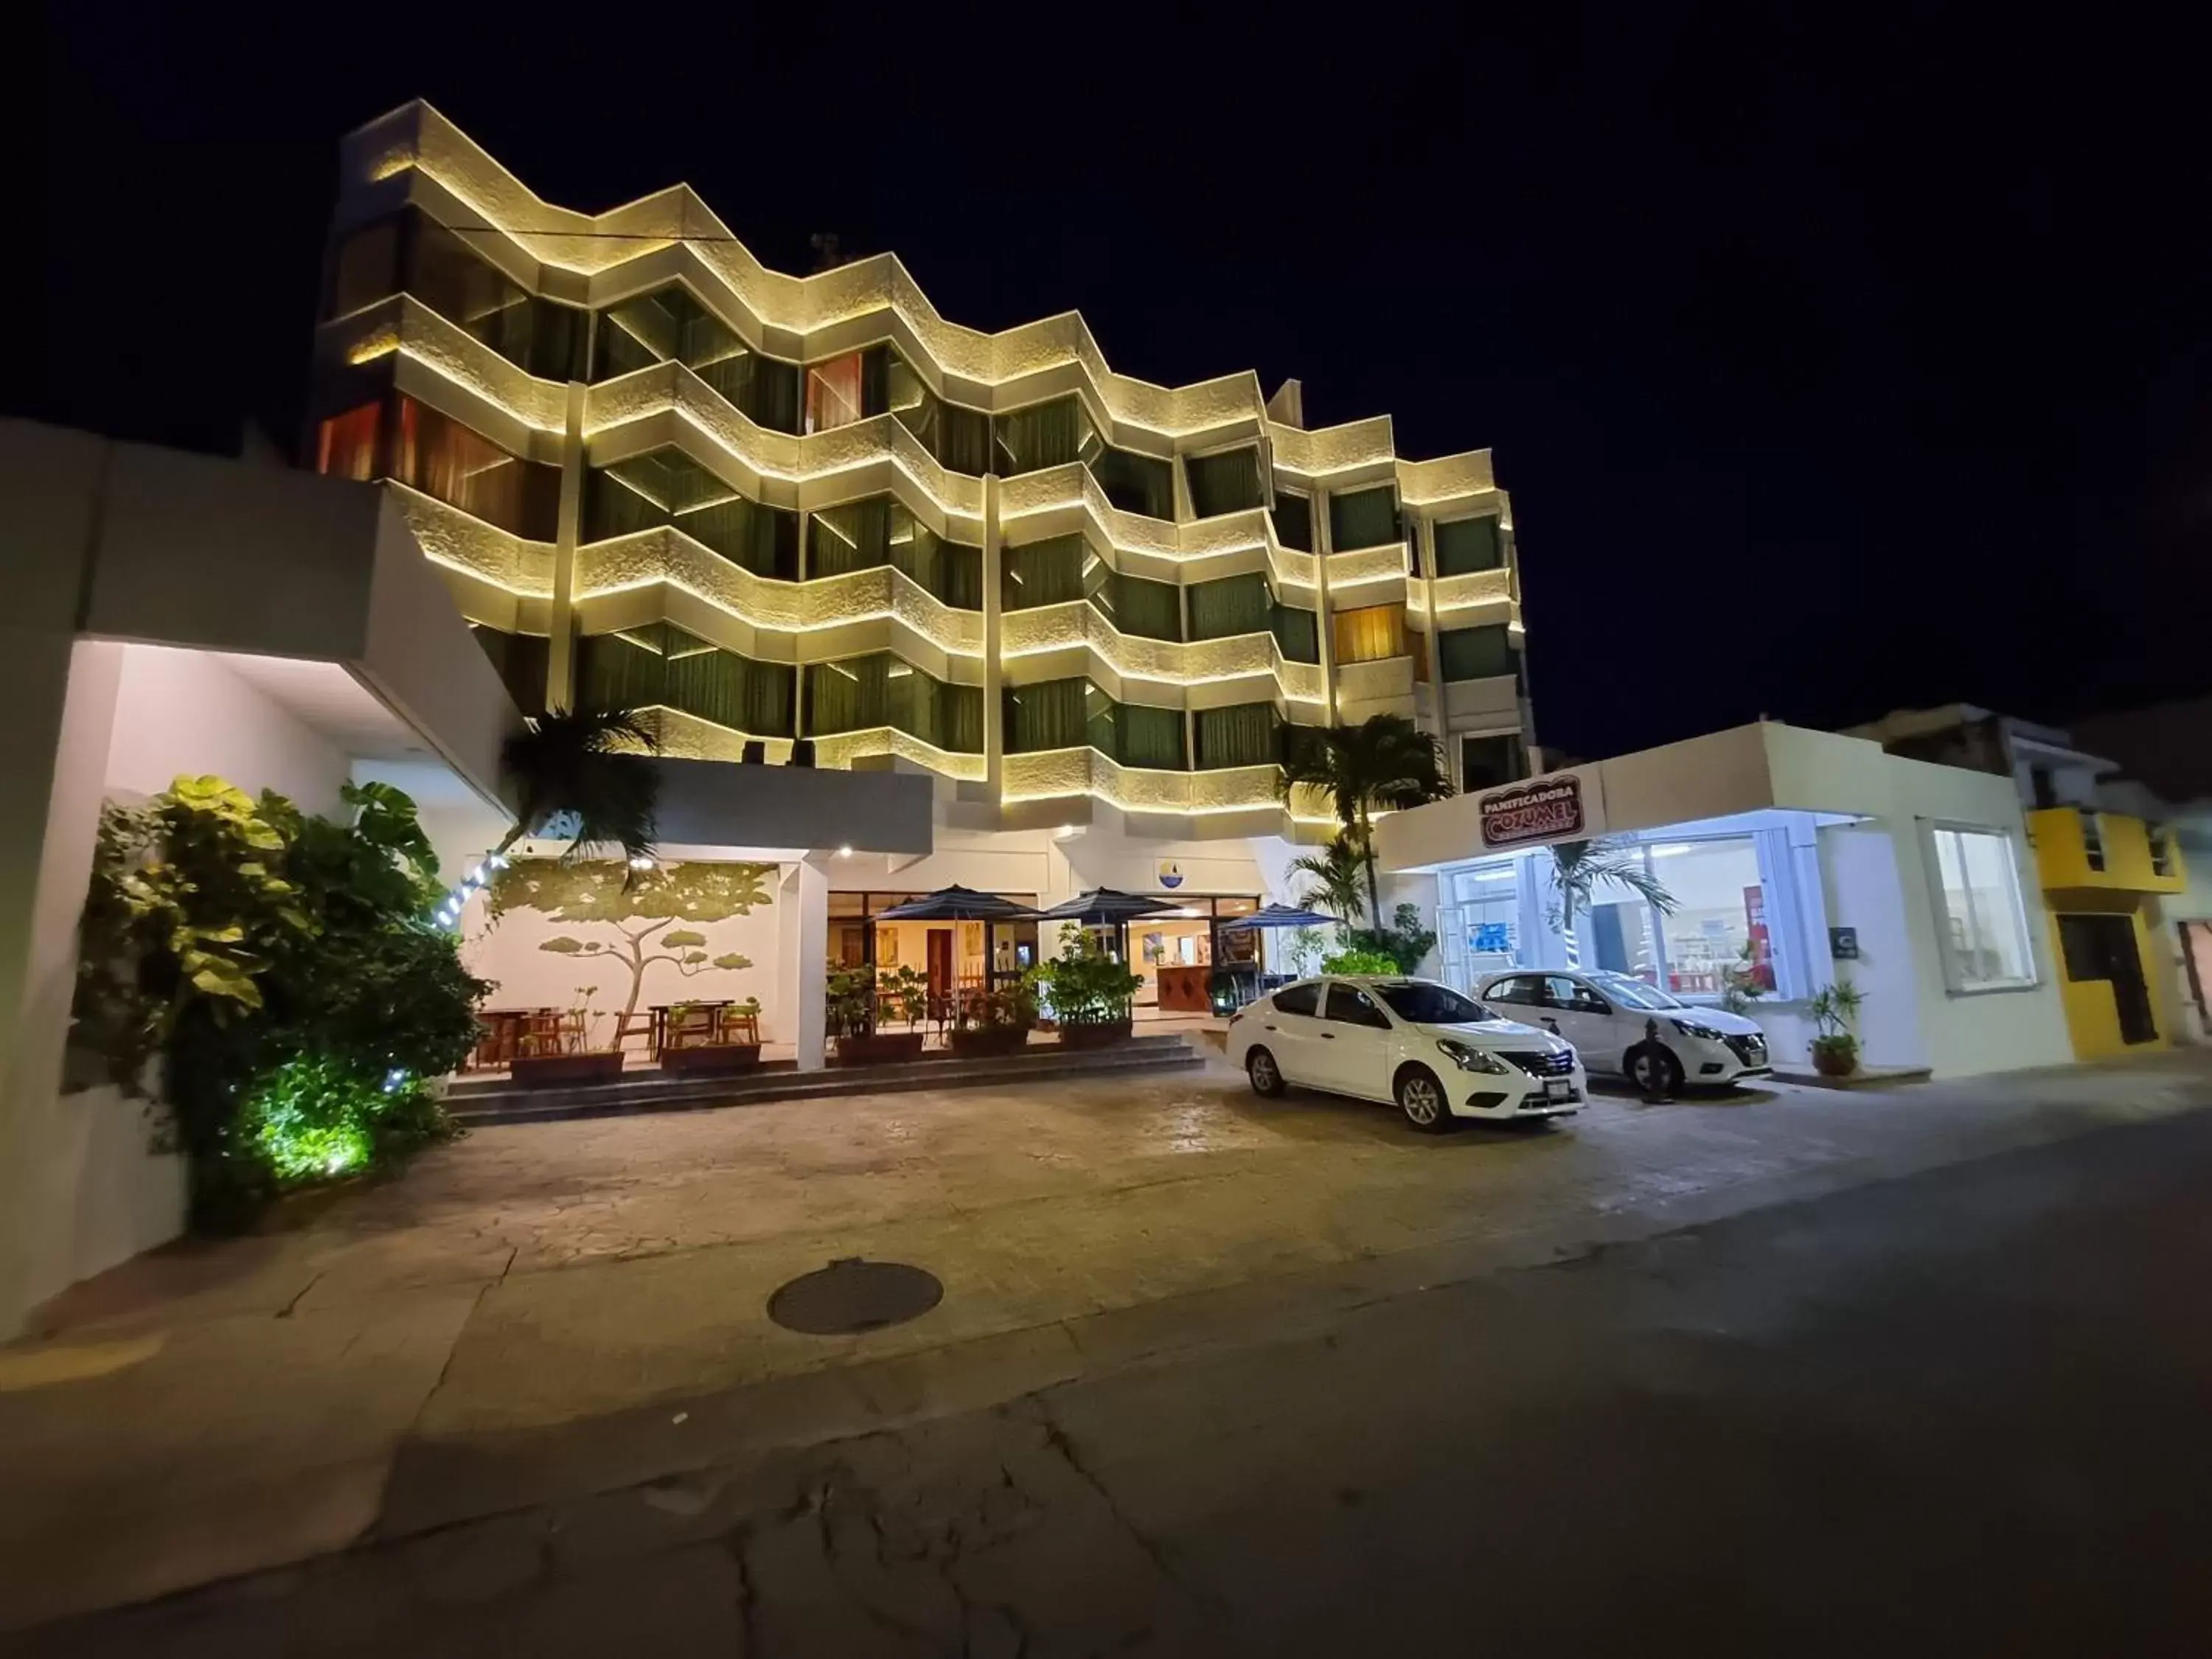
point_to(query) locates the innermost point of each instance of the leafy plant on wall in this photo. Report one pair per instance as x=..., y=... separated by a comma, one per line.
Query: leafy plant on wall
x=654, y=916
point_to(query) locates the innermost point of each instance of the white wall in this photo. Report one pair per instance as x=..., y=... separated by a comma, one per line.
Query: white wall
x=180, y=711
x=509, y=951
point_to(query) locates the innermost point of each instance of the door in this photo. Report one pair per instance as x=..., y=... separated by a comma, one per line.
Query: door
x=1352, y=1051
x=938, y=956
x=2104, y=947
x=1290, y=1029
x=1585, y=1019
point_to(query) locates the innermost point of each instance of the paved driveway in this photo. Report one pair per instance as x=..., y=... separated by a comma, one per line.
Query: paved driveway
x=546, y=1309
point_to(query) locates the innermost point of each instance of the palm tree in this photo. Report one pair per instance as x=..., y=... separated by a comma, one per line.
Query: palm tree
x=584, y=765
x=1386, y=763
x=1337, y=874
x=1580, y=867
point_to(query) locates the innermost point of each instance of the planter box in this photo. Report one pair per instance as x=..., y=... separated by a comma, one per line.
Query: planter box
x=548, y=1071
x=711, y=1057
x=883, y=1049
x=990, y=1039
x=1835, y=1061
x=1095, y=1036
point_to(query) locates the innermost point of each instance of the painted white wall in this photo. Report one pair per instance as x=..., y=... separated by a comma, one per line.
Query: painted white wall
x=182, y=711
x=509, y=951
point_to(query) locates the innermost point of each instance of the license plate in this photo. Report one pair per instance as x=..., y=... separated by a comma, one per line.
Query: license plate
x=1559, y=1088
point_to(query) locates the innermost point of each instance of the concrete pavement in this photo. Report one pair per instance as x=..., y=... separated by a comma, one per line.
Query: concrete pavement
x=564, y=1314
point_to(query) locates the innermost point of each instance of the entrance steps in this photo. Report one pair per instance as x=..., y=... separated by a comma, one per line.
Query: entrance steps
x=476, y=1102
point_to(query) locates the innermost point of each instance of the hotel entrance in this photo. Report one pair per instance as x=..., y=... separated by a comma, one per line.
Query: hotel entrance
x=1177, y=953
x=949, y=954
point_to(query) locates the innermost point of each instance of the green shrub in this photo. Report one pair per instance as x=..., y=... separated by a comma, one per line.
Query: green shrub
x=1405, y=942
x=315, y=1118
x=1083, y=984
x=1357, y=961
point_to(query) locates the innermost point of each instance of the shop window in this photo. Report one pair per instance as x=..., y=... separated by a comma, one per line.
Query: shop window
x=1477, y=653
x=1486, y=763
x=1293, y=516
x=1465, y=546
x=1373, y=632
x=1982, y=924
x=1228, y=482
x=1363, y=518
x=1719, y=922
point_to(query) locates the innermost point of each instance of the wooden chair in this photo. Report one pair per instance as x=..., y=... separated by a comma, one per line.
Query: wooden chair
x=690, y=1027
x=540, y=1033
x=572, y=1031
x=740, y=1022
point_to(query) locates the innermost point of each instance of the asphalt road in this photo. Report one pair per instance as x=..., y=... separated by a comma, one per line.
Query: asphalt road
x=1963, y=1413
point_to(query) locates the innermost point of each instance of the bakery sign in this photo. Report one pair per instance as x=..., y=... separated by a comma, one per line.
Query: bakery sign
x=1543, y=809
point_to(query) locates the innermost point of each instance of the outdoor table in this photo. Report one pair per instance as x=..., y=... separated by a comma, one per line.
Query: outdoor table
x=658, y=1035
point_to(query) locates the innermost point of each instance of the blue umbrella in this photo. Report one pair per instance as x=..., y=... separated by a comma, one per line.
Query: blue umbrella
x=1278, y=916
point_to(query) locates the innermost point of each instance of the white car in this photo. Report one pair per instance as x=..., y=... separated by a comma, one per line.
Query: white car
x=1603, y=1014
x=1436, y=1052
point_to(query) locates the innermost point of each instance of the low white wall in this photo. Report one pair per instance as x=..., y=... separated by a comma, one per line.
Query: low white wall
x=101, y=1192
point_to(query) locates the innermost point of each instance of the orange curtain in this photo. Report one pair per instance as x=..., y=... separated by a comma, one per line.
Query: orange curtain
x=345, y=446
x=832, y=392
x=1370, y=633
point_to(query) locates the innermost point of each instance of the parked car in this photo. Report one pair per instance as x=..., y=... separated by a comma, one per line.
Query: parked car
x=1603, y=1014
x=1437, y=1054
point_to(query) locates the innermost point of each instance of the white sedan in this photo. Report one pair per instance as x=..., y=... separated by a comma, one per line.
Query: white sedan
x=1603, y=1014
x=1435, y=1053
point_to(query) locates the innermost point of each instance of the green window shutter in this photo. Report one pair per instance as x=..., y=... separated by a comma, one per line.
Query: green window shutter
x=1044, y=572
x=1476, y=653
x=1293, y=517
x=1227, y=482
x=1297, y=633
x=1468, y=544
x=1365, y=518
x=1243, y=734
x=1150, y=609
x=1152, y=737
x=1233, y=605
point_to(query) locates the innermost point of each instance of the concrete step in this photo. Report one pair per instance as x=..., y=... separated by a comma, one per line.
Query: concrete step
x=476, y=1107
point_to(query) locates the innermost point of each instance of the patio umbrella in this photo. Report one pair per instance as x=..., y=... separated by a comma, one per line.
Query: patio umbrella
x=1278, y=916
x=957, y=903
x=1108, y=907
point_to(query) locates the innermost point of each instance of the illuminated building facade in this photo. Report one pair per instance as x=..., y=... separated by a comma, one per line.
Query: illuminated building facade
x=768, y=508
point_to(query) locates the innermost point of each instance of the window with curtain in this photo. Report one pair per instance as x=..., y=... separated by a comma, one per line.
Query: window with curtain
x=364, y=266
x=1044, y=572
x=448, y=271
x=953, y=571
x=1486, y=763
x=1135, y=483
x=1042, y=435
x=1363, y=518
x=832, y=392
x=850, y=696
x=1049, y=715
x=1983, y=926
x=1231, y=605
x=1228, y=482
x=1297, y=633
x=1243, y=734
x=659, y=664
x=854, y=536
x=1464, y=545
x=345, y=445
x=1151, y=609
x=1477, y=653
x=1150, y=738
x=1293, y=517
x=1370, y=633
x=436, y=454
x=668, y=487
x=670, y=325
x=945, y=716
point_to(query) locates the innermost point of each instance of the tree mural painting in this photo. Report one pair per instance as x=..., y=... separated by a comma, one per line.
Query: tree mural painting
x=641, y=907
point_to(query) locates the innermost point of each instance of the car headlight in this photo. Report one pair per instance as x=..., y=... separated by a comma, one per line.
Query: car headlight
x=1469, y=1059
x=1692, y=1027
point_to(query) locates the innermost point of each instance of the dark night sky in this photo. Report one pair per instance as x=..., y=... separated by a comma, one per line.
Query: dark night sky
x=1833, y=366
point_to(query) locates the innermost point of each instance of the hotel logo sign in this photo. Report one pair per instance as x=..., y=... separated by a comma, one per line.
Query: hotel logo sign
x=1543, y=809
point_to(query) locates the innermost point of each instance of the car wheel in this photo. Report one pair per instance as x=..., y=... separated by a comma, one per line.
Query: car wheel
x=1421, y=1098
x=1655, y=1074
x=1267, y=1076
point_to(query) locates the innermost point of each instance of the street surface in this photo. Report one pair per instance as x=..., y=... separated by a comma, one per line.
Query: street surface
x=1939, y=1394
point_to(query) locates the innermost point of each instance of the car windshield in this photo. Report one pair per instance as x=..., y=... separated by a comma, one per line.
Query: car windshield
x=1633, y=992
x=1431, y=1005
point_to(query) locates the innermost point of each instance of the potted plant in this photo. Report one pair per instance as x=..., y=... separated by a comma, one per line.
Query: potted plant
x=998, y=1023
x=1835, y=1050
x=1091, y=993
x=857, y=997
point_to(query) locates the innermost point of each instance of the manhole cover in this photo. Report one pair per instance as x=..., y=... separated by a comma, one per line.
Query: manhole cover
x=853, y=1295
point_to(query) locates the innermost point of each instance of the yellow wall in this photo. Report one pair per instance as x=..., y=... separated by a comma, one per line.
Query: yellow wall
x=2061, y=860
x=2092, y=1016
